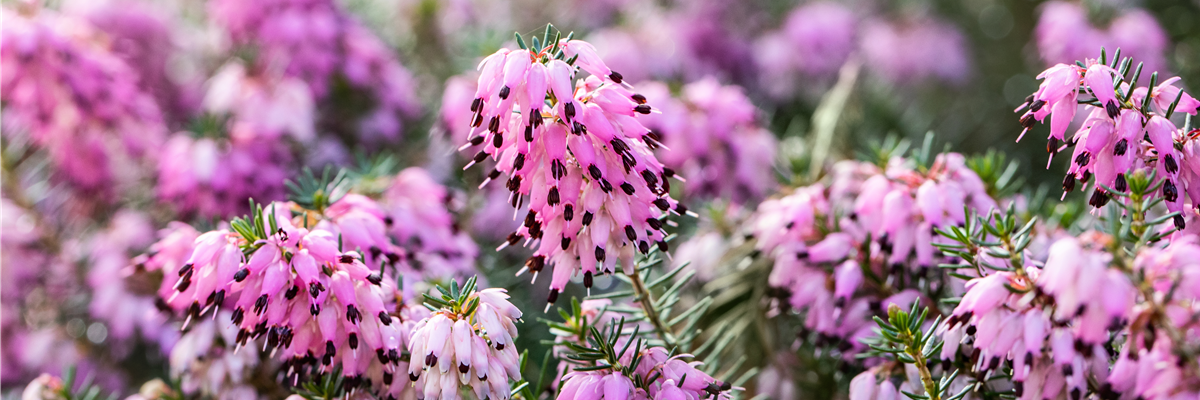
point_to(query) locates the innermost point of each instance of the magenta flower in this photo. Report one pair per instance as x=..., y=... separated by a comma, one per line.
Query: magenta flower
x=914, y=51
x=1124, y=132
x=675, y=379
x=318, y=42
x=711, y=135
x=65, y=92
x=1064, y=34
x=589, y=206
x=466, y=341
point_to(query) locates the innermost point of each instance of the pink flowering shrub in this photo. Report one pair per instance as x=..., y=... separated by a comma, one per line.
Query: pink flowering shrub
x=1127, y=129
x=67, y=93
x=578, y=152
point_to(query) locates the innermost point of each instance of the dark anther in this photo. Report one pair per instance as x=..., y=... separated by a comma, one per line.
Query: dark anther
x=1027, y=121
x=494, y=125
x=352, y=314
x=497, y=140
x=475, y=141
x=504, y=92
x=1068, y=183
x=637, y=98
x=616, y=77
x=291, y=292
x=566, y=242
x=187, y=268
x=654, y=223
x=385, y=318
x=644, y=247
x=260, y=304
x=1121, y=185
x=642, y=108
x=587, y=279
x=519, y=162
x=1052, y=145
x=528, y=133
x=1170, y=192
x=535, y=263
x=627, y=188
x=346, y=259
x=513, y=183
x=662, y=204
x=587, y=218
x=476, y=104
x=599, y=254
x=1113, y=109
x=353, y=341
x=241, y=274
x=595, y=172
x=569, y=110
x=630, y=233
x=1169, y=162
x=1037, y=105
x=649, y=177
x=376, y=278
x=552, y=199
x=1083, y=158
x=568, y=212
x=1179, y=222
x=480, y=156
x=553, y=296
x=662, y=246
x=1121, y=147
x=1099, y=198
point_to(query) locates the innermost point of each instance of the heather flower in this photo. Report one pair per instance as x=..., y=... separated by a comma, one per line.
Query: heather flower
x=1124, y=132
x=825, y=238
x=594, y=204
x=466, y=341
x=676, y=379
x=205, y=362
x=147, y=44
x=918, y=50
x=815, y=40
x=68, y=94
x=315, y=304
x=416, y=207
x=1064, y=34
x=319, y=43
x=115, y=300
x=712, y=137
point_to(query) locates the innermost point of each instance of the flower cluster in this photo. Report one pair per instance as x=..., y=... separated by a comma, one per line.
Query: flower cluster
x=817, y=38
x=205, y=362
x=318, y=42
x=466, y=341
x=648, y=373
x=846, y=249
x=711, y=135
x=1059, y=331
x=1127, y=129
x=578, y=152
x=68, y=94
x=1064, y=33
x=313, y=303
x=421, y=223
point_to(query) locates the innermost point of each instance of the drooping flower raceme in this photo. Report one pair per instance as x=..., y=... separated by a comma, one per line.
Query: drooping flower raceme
x=711, y=136
x=67, y=93
x=578, y=152
x=1126, y=129
x=466, y=341
x=1060, y=326
x=315, y=304
x=834, y=244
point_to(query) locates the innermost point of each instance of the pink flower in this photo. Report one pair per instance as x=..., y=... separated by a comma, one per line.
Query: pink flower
x=68, y=94
x=711, y=135
x=456, y=346
x=590, y=206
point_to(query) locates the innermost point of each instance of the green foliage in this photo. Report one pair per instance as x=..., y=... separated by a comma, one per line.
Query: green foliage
x=901, y=338
x=316, y=193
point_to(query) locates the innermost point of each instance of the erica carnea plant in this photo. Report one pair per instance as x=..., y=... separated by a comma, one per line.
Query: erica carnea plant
x=577, y=151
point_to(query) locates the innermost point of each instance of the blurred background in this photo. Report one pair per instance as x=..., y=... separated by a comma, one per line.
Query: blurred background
x=122, y=115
